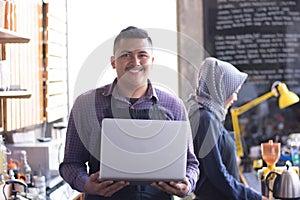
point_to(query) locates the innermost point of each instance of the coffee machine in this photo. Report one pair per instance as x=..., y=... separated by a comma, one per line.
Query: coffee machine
x=270, y=152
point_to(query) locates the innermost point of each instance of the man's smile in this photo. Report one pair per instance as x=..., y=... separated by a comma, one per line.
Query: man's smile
x=135, y=69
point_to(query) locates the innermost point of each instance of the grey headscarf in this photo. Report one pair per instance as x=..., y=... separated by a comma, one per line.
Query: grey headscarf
x=217, y=81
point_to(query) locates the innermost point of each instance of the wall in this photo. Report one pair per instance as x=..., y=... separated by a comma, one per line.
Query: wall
x=261, y=38
x=190, y=44
x=90, y=36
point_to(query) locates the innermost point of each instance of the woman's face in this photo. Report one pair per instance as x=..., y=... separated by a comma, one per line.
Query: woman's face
x=230, y=101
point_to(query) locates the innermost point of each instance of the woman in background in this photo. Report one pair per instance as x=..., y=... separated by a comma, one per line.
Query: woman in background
x=218, y=85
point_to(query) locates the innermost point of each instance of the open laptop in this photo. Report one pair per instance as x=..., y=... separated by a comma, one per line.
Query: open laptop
x=143, y=151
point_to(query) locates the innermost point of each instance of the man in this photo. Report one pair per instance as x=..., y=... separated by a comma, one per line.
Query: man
x=131, y=95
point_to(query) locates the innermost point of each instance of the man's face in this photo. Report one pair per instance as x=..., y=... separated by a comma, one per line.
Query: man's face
x=132, y=61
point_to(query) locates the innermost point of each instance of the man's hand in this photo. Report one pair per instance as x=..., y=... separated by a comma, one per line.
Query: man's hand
x=179, y=189
x=105, y=188
x=264, y=198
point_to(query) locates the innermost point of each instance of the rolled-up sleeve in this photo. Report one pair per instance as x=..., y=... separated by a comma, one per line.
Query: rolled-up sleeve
x=192, y=168
x=73, y=169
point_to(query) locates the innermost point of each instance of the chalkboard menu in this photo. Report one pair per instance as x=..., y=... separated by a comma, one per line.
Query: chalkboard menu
x=261, y=38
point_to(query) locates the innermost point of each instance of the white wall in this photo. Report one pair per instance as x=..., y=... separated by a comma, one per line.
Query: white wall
x=92, y=26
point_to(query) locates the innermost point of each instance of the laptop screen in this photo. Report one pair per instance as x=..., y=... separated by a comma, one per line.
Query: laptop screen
x=143, y=150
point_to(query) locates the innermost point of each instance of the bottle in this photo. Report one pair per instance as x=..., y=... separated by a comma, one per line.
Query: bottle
x=7, y=15
x=40, y=183
x=3, y=160
x=25, y=172
x=13, y=165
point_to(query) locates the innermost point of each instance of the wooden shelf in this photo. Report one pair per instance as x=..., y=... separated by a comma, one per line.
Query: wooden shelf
x=7, y=36
x=15, y=94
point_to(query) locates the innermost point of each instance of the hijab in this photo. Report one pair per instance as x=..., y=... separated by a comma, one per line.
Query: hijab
x=217, y=81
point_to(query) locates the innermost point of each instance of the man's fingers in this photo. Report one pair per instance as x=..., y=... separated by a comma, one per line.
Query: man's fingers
x=109, y=188
x=174, y=188
x=94, y=177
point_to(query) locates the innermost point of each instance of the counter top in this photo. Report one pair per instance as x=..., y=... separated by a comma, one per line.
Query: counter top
x=57, y=188
x=54, y=183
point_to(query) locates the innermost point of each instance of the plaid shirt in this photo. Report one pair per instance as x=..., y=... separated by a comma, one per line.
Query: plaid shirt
x=85, y=125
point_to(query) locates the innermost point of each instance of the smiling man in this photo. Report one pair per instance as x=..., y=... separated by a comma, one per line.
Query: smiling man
x=131, y=95
x=133, y=59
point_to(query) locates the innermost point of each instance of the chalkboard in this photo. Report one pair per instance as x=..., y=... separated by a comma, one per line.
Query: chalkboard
x=261, y=38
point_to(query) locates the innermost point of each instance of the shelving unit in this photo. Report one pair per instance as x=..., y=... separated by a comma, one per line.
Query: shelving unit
x=7, y=36
x=15, y=94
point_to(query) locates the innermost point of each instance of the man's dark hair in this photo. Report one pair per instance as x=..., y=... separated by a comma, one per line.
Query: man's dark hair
x=132, y=32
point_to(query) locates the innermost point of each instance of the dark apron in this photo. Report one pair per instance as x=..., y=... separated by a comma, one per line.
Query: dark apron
x=132, y=192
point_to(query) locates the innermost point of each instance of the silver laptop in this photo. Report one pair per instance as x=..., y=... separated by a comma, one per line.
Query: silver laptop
x=143, y=151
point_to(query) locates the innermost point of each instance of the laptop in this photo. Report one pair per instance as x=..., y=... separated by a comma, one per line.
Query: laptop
x=143, y=151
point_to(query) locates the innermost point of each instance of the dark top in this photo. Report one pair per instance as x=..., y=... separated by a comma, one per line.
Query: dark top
x=84, y=130
x=215, y=149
